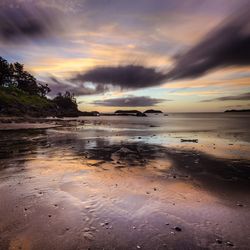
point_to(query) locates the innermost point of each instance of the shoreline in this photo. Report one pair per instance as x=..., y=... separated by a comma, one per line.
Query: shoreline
x=102, y=188
x=27, y=123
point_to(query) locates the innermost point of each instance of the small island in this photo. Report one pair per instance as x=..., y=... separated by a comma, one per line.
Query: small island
x=237, y=110
x=152, y=111
x=129, y=113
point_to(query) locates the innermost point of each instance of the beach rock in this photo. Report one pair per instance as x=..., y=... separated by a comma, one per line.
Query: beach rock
x=219, y=241
x=178, y=229
x=124, y=150
x=229, y=243
x=88, y=236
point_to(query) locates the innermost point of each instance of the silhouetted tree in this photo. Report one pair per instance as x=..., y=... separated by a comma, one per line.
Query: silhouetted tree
x=14, y=75
x=43, y=89
x=65, y=101
x=4, y=71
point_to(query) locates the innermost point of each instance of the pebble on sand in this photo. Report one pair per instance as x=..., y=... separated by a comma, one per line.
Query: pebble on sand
x=178, y=229
x=219, y=241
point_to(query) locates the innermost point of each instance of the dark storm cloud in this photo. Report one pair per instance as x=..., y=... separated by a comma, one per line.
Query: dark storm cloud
x=126, y=77
x=57, y=86
x=227, y=45
x=132, y=101
x=27, y=20
x=241, y=97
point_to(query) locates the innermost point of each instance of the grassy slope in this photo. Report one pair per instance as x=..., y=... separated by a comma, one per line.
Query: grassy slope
x=14, y=101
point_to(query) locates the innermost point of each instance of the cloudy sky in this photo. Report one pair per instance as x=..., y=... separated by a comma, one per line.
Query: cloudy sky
x=172, y=55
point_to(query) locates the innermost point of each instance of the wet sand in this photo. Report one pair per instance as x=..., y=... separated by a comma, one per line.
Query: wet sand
x=78, y=187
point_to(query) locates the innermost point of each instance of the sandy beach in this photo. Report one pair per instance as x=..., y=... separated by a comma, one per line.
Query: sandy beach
x=98, y=185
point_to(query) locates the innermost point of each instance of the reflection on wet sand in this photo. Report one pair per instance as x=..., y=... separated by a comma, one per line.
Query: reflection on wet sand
x=61, y=189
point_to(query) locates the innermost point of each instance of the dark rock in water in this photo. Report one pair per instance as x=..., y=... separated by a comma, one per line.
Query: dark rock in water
x=178, y=229
x=190, y=140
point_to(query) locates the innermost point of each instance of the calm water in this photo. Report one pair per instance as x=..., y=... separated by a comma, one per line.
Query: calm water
x=221, y=134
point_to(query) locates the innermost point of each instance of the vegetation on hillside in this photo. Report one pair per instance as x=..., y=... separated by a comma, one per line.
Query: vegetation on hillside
x=21, y=94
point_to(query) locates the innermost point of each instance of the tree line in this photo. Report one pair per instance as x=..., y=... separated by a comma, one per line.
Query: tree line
x=14, y=75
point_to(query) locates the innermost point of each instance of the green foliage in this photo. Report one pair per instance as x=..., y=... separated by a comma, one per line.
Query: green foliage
x=21, y=94
x=14, y=101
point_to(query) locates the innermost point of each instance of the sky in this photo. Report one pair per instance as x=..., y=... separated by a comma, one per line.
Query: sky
x=172, y=55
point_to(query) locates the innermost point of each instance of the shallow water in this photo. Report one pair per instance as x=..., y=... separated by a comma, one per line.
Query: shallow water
x=127, y=183
x=220, y=134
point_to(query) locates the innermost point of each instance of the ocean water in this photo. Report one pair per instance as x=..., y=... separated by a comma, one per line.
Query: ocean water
x=220, y=134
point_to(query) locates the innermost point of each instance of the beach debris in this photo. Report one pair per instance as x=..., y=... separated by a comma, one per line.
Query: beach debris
x=229, y=243
x=190, y=140
x=134, y=227
x=138, y=247
x=155, y=189
x=239, y=204
x=139, y=137
x=178, y=229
